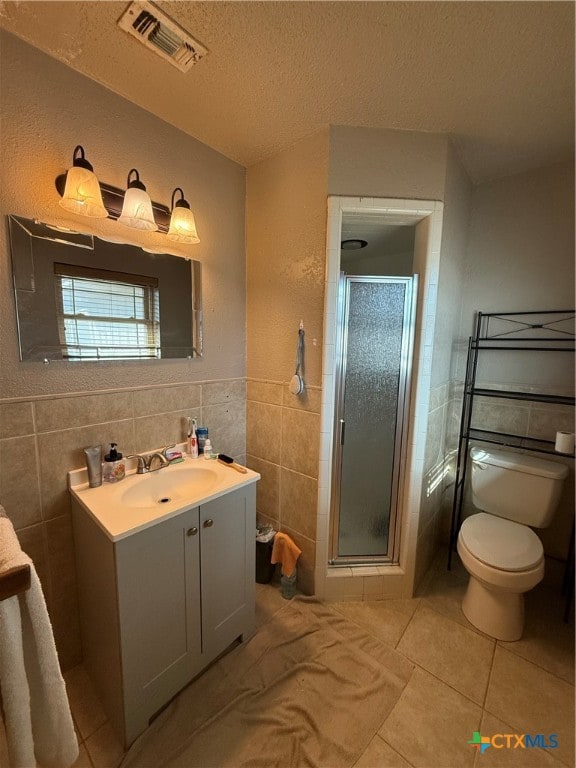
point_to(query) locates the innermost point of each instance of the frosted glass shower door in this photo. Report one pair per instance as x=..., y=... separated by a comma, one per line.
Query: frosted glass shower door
x=375, y=347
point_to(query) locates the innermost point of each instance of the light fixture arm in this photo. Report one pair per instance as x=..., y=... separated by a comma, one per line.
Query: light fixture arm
x=182, y=203
x=79, y=158
x=135, y=183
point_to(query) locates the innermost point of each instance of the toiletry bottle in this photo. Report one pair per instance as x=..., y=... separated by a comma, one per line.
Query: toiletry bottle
x=114, y=467
x=94, y=465
x=201, y=434
x=192, y=439
x=208, y=449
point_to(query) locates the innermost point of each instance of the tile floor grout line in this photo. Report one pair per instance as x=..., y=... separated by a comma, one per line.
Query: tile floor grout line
x=534, y=664
x=406, y=628
x=489, y=675
x=531, y=661
x=395, y=750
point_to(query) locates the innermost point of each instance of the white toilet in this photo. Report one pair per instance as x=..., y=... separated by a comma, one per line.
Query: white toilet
x=503, y=556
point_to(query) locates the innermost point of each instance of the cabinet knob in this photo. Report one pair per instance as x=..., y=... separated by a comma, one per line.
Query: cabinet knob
x=192, y=531
x=208, y=523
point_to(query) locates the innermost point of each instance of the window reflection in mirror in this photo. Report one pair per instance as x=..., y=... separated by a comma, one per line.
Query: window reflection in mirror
x=79, y=297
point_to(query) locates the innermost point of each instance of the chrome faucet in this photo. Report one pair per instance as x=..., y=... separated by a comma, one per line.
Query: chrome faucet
x=145, y=462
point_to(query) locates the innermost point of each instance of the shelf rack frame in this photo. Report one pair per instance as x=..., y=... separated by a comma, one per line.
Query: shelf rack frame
x=533, y=331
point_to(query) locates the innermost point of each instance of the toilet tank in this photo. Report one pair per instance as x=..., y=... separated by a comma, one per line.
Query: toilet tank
x=516, y=486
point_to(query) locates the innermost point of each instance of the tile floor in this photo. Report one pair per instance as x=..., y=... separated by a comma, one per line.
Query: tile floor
x=462, y=681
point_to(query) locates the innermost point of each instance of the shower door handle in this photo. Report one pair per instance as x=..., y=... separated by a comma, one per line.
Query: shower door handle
x=342, y=430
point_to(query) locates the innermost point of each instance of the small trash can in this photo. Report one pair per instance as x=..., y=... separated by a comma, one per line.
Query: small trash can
x=264, y=567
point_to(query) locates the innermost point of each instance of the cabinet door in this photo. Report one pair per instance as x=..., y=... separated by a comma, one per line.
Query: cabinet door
x=228, y=526
x=159, y=607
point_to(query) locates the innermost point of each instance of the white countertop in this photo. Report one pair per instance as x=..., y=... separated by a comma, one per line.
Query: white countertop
x=118, y=520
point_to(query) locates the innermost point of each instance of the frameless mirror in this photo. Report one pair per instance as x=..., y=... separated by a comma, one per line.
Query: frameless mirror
x=79, y=297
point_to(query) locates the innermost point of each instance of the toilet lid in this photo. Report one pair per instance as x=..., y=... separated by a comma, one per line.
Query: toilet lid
x=501, y=543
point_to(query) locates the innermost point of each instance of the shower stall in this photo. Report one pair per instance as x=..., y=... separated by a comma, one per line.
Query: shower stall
x=374, y=344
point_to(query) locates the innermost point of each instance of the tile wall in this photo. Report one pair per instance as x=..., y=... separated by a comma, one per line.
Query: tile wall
x=42, y=439
x=436, y=499
x=282, y=438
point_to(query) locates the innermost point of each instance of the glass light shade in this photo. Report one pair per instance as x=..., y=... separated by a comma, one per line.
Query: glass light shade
x=137, y=210
x=82, y=194
x=182, y=226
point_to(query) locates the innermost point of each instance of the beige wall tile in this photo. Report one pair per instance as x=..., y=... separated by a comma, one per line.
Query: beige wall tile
x=62, y=451
x=300, y=441
x=502, y=416
x=267, y=488
x=298, y=501
x=16, y=419
x=19, y=490
x=79, y=411
x=546, y=420
x=434, y=452
x=264, y=431
x=60, y=549
x=32, y=541
x=152, y=432
x=166, y=399
x=226, y=426
x=442, y=719
x=215, y=392
x=309, y=400
x=264, y=392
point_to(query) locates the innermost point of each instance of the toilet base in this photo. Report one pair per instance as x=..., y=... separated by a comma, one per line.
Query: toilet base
x=497, y=613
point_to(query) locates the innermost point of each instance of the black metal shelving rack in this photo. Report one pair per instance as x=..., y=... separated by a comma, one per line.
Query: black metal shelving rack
x=546, y=331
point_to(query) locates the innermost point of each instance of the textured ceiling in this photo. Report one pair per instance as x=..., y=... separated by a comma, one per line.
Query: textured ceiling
x=497, y=76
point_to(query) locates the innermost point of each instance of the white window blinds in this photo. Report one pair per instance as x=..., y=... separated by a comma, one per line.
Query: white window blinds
x=105, y=315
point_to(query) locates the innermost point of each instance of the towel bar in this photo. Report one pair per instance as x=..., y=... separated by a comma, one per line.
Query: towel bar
x=14, y=581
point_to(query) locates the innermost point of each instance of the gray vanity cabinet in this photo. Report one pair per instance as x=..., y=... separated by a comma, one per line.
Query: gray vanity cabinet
x=158, y=605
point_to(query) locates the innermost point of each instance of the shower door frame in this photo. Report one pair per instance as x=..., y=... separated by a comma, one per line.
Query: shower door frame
x=401, y=425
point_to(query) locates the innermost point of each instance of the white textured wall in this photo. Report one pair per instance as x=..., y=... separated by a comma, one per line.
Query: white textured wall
x=286, y=254
x=47, y=109
x=371, y=162
x=521, y=257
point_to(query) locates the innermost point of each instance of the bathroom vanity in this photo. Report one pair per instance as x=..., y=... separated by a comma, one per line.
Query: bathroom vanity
x=165, y=565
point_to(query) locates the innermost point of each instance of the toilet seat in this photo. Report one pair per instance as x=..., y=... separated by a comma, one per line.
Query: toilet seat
x=501, y=544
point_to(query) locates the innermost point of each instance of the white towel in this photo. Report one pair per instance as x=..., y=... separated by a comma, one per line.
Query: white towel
x=38, y=722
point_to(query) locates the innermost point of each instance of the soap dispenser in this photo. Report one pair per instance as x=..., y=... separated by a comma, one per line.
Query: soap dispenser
x=114, y=466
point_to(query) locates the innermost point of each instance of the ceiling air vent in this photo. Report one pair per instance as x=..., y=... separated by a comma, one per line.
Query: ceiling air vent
x=160, y=34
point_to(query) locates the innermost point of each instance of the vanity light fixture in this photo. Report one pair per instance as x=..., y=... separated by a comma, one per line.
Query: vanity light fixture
x=82, y=191
x=137, y=208
x=182, y=224
x=82, y=194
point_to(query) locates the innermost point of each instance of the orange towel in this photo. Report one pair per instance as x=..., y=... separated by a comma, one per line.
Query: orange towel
x=284, y=551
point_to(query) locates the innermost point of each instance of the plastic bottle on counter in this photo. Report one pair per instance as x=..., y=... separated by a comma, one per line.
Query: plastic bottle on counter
x=114, y=466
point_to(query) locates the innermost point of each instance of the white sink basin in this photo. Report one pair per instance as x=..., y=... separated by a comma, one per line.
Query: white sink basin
x=140, y=501
x=165, y=487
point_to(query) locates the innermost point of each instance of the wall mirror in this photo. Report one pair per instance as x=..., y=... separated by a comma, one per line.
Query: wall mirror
x=80, y=297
